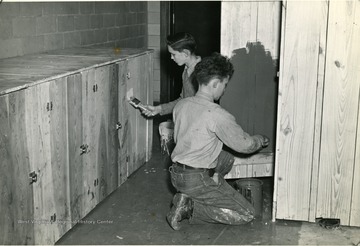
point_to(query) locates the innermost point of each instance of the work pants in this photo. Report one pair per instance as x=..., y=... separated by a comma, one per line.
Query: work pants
x=213, y=202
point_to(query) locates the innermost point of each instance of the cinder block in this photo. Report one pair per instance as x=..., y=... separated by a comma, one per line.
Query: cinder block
x=24, y=26
x=100, y=36
x=154, y=29
x=65, y=23
x=31, y=45
x=154, y=40
x=45, y=24
x=141, y=18
x=87, y=7
x=96, y=21
x=72, y=39
x=106, y=7
x=30, y=9
x=62, y=8
x=153, y=6
x=53, y=41
x=153, y=18
x=9, y=9
x=5, y=28
x=120, y=19
x=109, y=20
x=10, y=48
x=87, y=37
x=82, y=22
x=113, y=34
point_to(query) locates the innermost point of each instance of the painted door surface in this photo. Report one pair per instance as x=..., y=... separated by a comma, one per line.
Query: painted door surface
x=16, y=200
x=250, y=35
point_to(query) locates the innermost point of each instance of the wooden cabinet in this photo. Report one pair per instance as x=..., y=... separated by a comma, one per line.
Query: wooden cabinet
x=67, y=142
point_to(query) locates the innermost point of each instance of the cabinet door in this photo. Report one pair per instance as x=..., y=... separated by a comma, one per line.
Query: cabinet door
x=137, y=82
x=47, y=130
x=99, y=129
x=107, y=102
x=16, y=199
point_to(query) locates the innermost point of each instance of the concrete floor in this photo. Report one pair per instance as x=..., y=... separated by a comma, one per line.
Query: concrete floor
x=135, y=214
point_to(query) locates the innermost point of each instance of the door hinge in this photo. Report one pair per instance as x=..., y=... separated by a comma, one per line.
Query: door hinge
x=49, y=106
x=33, y=177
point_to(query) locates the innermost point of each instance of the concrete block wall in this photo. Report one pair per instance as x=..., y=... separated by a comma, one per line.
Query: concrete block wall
x=154, y=42
x=32, y=27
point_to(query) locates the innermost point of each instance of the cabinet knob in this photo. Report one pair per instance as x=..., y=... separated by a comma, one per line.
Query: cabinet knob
x=118, y=126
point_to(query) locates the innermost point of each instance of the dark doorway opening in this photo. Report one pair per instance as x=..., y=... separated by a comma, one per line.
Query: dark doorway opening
x=202, y=20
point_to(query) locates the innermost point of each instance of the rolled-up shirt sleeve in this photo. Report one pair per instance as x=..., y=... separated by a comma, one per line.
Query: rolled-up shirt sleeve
x=233, y=136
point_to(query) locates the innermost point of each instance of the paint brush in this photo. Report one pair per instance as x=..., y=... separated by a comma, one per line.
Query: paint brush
x=136, y=103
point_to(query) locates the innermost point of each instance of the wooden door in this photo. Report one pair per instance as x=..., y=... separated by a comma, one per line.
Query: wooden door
x=46, y=126
x=299, y=102
x=317, y=164
x=250, y=35
x=16, y=200
x=338, y=188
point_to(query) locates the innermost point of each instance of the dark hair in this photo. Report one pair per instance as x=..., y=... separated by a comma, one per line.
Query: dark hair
x=180, y=41
x=214, y=66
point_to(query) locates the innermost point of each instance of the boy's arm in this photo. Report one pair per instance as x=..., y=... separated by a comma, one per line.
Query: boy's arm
x=233, y=136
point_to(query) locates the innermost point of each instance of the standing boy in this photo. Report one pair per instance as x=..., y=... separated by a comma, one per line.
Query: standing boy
x=199, y=163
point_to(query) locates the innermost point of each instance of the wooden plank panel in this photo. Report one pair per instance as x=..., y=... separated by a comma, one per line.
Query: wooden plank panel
x=234, y=15
x=90, y=139
x=318, y=110
x=150, y=101
x=101, y=117
x=113, y=139
x=296, y=109
x=258, y=165
x=265, y=63
x=124, y=133
x=77, y=171
x=60, y=192
x=133, y=84
x=340, y=113
x=142, y=123
x=16, y=200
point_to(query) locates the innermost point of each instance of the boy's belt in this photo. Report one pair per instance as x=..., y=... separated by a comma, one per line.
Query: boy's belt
x=183, y=166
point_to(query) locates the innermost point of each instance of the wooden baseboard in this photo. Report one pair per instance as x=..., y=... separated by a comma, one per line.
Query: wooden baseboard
x=258, y=165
